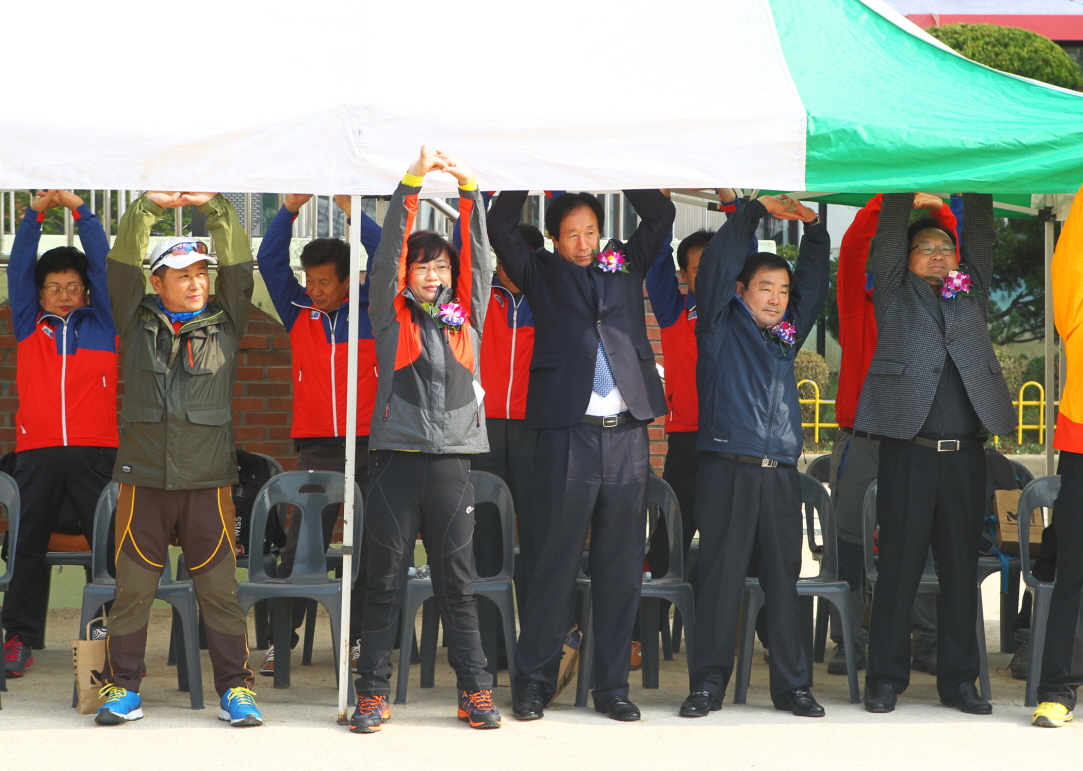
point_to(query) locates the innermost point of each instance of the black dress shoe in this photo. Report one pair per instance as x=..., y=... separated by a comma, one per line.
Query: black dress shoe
x=966, y=699
x=529, y=704
x=880, y=697
x=801, y=703
x=698, y=704
x=619, y=708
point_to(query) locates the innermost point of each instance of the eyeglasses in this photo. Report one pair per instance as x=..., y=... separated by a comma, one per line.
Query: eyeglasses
x=55, y=289
x=185, y=248
x=421, y=268
x=948, y=250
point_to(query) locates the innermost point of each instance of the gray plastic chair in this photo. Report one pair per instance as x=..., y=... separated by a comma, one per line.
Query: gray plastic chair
x=9, y=500
x=820, y=469
x=929, y=584
x=1041, y=493
x=499, y=589
x=180, y=594
x=826, y=585
x=672, y=587
x=308, y=492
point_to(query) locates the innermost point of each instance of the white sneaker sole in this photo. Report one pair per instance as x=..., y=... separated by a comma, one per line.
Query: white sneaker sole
x=241, y=722
x=105, y=717
x=1043, y=721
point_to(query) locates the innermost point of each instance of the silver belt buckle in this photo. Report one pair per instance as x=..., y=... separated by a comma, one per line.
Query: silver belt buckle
x=768, y=463
x=610, y=421
x=947, y=445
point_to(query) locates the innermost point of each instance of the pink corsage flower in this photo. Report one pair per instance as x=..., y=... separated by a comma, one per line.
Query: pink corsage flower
x=954, y=283
x=611, y=261
x=785, y=332
x=452, y=315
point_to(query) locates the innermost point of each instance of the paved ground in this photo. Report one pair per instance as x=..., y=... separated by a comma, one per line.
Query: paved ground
x=37, y=725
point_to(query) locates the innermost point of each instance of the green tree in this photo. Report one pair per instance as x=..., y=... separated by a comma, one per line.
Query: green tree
x=1009, y=49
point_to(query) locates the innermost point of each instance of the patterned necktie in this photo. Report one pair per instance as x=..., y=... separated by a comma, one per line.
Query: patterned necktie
x=603, y=376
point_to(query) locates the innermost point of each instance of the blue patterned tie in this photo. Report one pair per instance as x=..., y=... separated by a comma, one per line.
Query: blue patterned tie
x=603, y=376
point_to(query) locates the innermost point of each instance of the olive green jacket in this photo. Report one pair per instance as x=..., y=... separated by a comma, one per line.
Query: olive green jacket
x=176, y=430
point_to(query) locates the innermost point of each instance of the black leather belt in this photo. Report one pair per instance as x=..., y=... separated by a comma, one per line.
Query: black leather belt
x=862, y=434
x=608, y=421
x=763, y=462
x=949, y=445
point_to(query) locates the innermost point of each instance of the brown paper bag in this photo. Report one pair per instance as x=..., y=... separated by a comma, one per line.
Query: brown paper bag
x=569, y=659
x=1006, y=506
x=89, y=658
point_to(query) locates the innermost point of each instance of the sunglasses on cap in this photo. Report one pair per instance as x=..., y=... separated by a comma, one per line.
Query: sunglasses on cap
x=185, y=248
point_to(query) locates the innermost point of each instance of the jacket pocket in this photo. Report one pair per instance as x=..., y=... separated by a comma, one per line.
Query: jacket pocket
x=994, y=367
x=886, y=367
x=138, y=413
x=645, y=351
x=212, y=417
x=543, y=360
x=201, y=352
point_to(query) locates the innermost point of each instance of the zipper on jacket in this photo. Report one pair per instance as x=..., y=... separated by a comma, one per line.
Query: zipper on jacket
x=64, y=386
x=191, y=359
x=511, y=371
x=334, y=385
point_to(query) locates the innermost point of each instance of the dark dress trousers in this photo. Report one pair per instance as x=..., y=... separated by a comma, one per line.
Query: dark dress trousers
x=934, y=377
x=585, y=475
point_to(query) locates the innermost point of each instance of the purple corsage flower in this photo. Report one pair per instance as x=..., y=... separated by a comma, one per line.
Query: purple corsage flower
x=451, y=315
x=954, y=283
x=785, y=332
x=611, y=261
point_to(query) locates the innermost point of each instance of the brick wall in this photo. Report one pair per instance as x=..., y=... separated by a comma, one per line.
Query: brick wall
x=263, y=395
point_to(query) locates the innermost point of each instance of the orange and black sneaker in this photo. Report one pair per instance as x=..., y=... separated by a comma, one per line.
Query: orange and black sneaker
x=17, y=657
x=477, y=707
x=636, y=659
x=370, y=714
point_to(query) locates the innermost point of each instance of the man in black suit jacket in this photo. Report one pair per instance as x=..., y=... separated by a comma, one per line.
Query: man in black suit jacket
x=593, y=389
x=933, y=391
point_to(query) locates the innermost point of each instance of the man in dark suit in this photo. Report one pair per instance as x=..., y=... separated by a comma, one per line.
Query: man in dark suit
x=933, y=391
x=593, y=389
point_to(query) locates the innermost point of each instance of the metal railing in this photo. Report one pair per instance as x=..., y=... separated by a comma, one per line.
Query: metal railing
x=1021, y=404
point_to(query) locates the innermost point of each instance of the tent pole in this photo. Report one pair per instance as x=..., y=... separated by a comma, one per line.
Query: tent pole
x=1050, y=333
x=351, y=459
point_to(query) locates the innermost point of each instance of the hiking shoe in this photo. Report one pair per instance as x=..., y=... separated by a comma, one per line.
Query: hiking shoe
x=121, y=706
x=636, y=660
x=1020, y=662
x=268, y=665
x=17, y=656
x=355, y=654
x=477, y=707
x=836, y=665
x=370, y=714
x=239, y=708
x=1051, y=714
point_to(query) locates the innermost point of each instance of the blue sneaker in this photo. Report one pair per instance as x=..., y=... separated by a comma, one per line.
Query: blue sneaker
x=239, y=708
x=121, y=706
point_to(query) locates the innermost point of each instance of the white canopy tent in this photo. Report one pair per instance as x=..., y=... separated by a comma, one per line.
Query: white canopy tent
x=336, y=96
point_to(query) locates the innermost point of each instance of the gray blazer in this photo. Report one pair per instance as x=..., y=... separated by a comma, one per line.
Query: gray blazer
x=917, y=329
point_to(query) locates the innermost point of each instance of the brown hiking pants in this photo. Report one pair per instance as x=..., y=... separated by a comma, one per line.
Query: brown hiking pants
x=202, y=521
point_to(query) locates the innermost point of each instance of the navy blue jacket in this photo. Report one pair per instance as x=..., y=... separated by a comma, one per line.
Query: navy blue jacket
x=748, y=402
x=570, y=316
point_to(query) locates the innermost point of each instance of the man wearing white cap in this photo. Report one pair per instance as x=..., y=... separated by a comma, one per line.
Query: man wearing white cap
x=176, y=463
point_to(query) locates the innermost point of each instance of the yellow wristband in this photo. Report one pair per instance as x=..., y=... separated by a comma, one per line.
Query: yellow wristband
x=411, y=180
x=471, y=185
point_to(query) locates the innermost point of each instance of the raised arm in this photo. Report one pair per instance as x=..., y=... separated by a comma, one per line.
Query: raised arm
x=980, y=235
x=475, y=261
x=656, y=213
x=854, y=258
x=273, y=261
x=810, y=277
x=22, y=289
x=95, y=247
x=663, y=289
x=124, y=266
x=518, y=259
x=234, y=283
x=722, y=260
x=890, y=251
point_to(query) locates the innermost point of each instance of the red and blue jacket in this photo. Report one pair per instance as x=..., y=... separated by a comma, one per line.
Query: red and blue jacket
x=67, y=368
x=676, y=315
x=506, y=354
x=319, y=340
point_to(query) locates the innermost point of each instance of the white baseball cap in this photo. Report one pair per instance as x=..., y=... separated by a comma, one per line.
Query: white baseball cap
x=179, y=252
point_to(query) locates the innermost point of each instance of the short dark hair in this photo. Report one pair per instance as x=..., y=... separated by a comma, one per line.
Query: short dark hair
x=697, y=240
x=763, y=261
x=426, y=246
x=564, y=204
x=327, y=251
x=59, y=260
x=928, y=223
x=533, y=237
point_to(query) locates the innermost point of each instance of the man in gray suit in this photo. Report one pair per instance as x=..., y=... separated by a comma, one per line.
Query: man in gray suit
x=933, y=392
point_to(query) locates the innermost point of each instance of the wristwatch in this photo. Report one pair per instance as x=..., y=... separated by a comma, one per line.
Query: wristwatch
x=813, y=222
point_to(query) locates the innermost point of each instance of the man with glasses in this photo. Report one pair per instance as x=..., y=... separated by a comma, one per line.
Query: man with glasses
x=176, y=463
x=66, y=426
x=933, y=392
